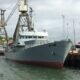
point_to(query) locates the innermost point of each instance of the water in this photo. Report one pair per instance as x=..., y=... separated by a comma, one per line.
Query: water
x=15, y=71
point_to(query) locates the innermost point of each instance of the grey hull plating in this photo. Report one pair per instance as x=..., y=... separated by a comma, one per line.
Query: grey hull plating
x=55, y=52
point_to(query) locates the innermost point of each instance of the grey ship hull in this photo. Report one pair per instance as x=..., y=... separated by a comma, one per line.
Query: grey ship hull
x=51, y=54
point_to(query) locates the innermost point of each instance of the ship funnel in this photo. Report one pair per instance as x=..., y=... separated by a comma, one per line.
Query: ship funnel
x=23, y=6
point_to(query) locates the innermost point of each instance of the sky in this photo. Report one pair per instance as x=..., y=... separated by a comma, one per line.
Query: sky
x=48, y=15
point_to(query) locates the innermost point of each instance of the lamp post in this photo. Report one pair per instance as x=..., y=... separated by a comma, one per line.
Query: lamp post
x=74, y=33
x=63, y=27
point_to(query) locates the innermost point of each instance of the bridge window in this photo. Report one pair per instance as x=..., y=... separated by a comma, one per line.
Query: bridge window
x=40, y=36
x=29, y=36
x=34, y=36
x=26, y=36
x=21, y=36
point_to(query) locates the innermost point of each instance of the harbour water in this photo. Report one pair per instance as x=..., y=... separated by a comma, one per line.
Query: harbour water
x=14, y=71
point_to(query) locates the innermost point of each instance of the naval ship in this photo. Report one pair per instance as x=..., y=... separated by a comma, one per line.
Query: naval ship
x=32, y=47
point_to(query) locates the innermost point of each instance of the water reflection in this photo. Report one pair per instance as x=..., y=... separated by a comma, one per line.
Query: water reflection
x=14, y=71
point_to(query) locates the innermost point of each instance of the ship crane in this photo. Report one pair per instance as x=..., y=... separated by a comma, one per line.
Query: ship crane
x=11, y=14
x=25, y=19
x=3, y=22
x=23, y=8
x=2, y=25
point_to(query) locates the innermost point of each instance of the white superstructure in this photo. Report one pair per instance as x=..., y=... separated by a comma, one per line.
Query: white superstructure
x=38, y=37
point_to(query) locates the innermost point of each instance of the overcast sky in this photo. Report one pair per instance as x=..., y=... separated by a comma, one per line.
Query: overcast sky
x=48, y=15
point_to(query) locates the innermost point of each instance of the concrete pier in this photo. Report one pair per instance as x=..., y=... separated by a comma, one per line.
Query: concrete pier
x=73, y=59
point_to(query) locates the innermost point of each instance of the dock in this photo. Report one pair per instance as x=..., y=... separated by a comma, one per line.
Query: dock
x=73, y=59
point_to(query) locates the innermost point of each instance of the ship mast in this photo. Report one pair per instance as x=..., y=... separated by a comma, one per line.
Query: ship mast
x=25, y=19
x=23, y=9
